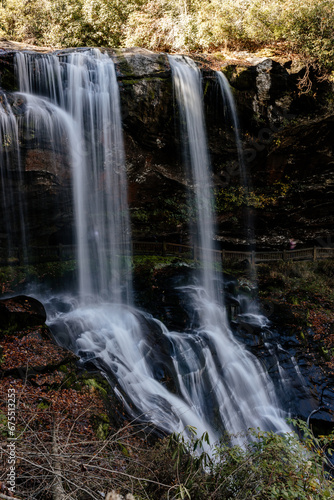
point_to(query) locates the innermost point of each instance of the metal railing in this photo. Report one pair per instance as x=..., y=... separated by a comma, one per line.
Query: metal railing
x=68, y=252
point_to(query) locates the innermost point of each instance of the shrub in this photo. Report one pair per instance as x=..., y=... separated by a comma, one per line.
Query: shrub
x=267, y=466
x=24, y=21
x=65, y=443
x=307, y=27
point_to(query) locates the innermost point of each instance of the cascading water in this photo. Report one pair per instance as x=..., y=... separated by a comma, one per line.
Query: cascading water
x=229, y=104
x=85, y=85
x=218, y=384
x=11, y=174
x=103, y=324
x=250, y=309
x=232, y=111
x=245, y=393
x=187, y=84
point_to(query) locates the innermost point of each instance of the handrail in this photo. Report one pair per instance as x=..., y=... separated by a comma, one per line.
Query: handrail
x=68, y=252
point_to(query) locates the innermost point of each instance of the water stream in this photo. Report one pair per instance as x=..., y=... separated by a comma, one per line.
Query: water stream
x=14, y=234
x=244, y=392
x=72, y=101
x=83, y=86
x=229, y=104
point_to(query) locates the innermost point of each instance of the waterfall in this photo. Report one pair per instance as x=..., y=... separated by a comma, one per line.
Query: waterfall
x=71, y=102
x=229, y=104
x=11, y=197
x=78, y=107
x=187, y=84
x=244, y=178
x=84, y=85
x=243, y=390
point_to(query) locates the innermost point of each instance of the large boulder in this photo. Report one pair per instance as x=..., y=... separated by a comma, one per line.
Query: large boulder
x=20, y=312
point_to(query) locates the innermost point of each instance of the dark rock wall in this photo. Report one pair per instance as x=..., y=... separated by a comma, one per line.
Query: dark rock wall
x=156, y=175
x=287, y=133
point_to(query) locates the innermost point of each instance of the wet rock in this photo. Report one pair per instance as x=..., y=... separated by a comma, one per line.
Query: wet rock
x=28, y=348
x=164, y=294
x=138, y=63
x=20, y=312
x=7, y=72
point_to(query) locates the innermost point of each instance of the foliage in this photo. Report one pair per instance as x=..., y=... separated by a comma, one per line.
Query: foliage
x=263, y=465
x=306, y=27
x=24, y=21
x=15, y=278
x=64, y=435
x=162, y=24
x=302, y=295
x=65, y=23
x=276, y=466
x=232, y=198
x=154, y=262
x=80, y=23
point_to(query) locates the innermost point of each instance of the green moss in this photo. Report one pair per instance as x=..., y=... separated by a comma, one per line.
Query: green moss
x=43, y=405
x=232, y=198
x=3, y=425
x=325, y=353
x=219, y=56
x=206, y=87
x=165, y=215
x=228, y=71
x=63, y=369
x=72, y=382
x=303, y=337
x=140, y=215
x=101, y=425
x=123, y=64
x=92, y=382
x=129, y=82
x=295, y=301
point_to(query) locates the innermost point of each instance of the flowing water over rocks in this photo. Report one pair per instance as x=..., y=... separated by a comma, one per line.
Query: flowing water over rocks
x=244, y=394
x=203, y=377
x=84, y=90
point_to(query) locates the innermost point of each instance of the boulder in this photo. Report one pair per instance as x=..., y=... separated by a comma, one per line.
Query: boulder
x=19, y=313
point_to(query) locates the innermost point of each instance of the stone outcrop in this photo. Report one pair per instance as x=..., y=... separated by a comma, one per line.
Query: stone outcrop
x=287, y=131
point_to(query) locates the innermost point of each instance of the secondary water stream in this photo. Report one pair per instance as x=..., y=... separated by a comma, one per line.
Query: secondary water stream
x=244, y=392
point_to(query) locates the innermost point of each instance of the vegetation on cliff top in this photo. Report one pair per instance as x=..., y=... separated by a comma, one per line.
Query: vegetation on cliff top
x=305, y=27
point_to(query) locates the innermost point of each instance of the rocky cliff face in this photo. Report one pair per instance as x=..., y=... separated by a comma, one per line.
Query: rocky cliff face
x=287, y=133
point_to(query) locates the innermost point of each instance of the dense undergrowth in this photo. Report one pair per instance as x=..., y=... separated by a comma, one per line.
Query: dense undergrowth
x=302, y=298
x=53, y=453
x=306, y=27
